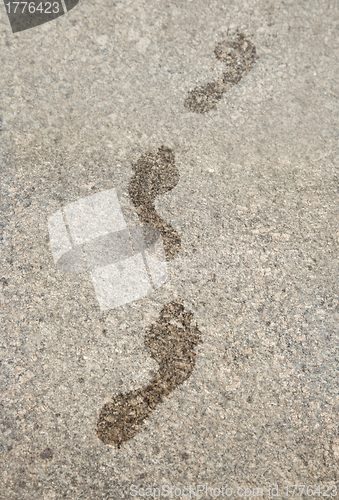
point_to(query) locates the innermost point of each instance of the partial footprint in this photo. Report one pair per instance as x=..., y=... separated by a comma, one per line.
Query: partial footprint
x=171, y=342
x=238, y=54
x=155, y=173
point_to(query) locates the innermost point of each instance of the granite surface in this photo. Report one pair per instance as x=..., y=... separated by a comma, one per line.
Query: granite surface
x=84, y=98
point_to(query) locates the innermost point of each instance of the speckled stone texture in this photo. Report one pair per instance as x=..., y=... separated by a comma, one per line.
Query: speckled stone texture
x=256, y=208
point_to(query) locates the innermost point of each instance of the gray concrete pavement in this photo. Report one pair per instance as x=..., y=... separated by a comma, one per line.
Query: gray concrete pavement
x=256, y=211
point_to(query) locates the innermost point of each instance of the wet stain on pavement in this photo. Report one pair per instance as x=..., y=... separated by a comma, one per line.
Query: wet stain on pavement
x=171, y=342
x=155, y=174
x=238, y=53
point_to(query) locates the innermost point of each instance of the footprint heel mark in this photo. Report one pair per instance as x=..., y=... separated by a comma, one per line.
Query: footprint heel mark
x=238, y=54
x=171, y=342
x=155, y=174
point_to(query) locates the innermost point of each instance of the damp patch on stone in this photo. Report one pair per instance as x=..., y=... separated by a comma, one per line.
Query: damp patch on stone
x=171, y=342
x=155, y=174
x=238, y=54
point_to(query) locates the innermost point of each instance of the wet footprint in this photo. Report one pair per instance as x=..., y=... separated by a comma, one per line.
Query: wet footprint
x=155, y=174
x=238, y=54
x=171, y=342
